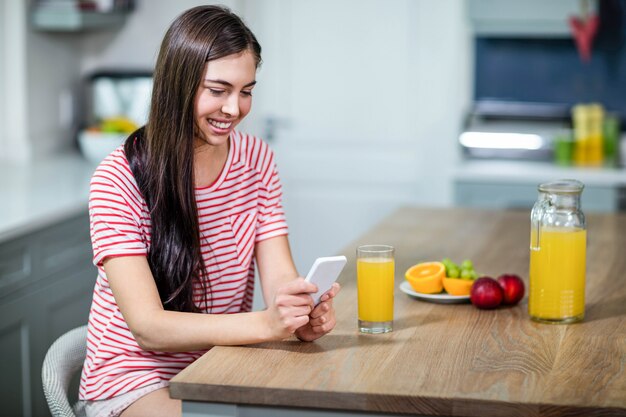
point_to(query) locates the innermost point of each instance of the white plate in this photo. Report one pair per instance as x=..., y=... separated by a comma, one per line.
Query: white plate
x=441, y=298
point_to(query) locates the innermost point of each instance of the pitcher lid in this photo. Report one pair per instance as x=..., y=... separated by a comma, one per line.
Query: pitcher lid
x=566, y=186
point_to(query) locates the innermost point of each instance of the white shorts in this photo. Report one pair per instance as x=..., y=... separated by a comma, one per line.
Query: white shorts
x=113, y=407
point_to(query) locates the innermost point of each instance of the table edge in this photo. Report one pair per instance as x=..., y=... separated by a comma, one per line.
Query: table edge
x=368, y=402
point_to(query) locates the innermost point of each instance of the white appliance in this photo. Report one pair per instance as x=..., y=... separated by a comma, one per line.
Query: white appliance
x=513, y=130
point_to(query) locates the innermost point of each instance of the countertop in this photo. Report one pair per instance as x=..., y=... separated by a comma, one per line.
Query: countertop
x=38, y=193
x=528, y=172
x=443, y=360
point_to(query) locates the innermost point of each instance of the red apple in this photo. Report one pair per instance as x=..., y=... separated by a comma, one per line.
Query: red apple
x=486, y=293
x=512, y=288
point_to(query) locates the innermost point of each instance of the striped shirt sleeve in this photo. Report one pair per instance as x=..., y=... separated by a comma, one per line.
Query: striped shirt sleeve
x=271, y=219
x=115, y=215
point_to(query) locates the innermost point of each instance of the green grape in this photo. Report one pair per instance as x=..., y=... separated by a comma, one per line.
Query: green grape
x=453, y=273
x=474, y=274
x=448, y=264
x=466, y=274
x=467, y=264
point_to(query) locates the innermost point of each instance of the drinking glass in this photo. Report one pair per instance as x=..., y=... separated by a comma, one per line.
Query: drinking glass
x=375, y=286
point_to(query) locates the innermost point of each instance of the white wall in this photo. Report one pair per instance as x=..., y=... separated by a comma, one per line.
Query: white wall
x=393, y=75
x=53, y=70
x=40, y=70
x=13, y=81
x=3, y=37
x=443, y=56
x=370, y=95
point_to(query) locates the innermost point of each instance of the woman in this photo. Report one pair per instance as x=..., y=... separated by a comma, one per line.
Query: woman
x=179, y=215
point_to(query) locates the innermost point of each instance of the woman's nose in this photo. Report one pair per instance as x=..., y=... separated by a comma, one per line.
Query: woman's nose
x=231, y=105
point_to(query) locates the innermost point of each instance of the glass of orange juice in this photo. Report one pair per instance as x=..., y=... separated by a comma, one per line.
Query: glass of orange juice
x=375, y=286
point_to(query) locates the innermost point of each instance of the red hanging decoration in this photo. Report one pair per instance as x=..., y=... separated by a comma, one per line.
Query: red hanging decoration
x=584, y=30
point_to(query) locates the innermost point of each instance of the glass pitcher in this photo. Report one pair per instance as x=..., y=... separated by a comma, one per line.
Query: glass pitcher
x=558, y=246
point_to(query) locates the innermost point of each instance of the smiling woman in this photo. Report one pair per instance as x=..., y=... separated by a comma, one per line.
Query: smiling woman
x=180, y=216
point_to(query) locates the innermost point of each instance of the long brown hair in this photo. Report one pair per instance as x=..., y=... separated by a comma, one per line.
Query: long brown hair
x=161, y=154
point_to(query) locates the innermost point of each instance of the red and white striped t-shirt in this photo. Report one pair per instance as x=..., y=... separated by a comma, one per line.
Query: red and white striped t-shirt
x=242, y=207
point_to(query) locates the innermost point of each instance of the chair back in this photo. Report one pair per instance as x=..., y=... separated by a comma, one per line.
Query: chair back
x=63, y=360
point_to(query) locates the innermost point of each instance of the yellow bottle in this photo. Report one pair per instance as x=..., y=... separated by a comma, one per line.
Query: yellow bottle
x=595, y=150
x=558, y=242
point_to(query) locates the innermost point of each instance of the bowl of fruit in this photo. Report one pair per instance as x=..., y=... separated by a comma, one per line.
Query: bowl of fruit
x=98, y=141
x=447, y=282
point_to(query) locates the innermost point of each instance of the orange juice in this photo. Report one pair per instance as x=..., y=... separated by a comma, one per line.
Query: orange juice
x=557, y=274
x=375, y=289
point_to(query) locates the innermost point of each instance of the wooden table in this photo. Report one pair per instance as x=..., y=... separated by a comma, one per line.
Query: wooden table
x=440, y=360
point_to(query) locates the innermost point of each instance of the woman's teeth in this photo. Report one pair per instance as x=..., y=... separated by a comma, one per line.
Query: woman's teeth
x=220, y=125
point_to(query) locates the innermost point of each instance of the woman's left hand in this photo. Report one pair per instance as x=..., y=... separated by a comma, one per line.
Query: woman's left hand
x=321, y=319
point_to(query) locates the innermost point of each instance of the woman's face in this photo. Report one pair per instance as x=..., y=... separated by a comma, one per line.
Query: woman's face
x=224, y=97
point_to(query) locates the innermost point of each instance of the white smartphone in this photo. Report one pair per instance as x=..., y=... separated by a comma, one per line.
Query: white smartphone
x=324, y=273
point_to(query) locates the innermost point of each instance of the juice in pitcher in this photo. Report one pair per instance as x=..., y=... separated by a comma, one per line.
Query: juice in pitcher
x=557, y=275
x=558, y=251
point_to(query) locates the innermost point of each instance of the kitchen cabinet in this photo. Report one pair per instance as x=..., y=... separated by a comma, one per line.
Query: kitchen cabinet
x=523, y=196
x=75, y=21
x=46, y=271
x=530, y=18
x=46, y=282
x=68, y=17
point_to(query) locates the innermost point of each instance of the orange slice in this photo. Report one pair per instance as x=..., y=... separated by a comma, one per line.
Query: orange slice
x=457, y=286
x=426, y=277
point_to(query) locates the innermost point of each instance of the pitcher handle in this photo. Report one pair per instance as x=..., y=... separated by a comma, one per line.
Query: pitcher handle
x=537, y=216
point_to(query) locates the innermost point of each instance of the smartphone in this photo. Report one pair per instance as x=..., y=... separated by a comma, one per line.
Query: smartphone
x=324, y=273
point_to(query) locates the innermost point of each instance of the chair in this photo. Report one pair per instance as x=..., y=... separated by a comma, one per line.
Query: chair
x=63, y=360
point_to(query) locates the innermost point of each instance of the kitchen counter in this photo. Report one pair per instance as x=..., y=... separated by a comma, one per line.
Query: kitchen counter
x=440, y=360
x=36, y=194
x=536, y=172
x=513, y=184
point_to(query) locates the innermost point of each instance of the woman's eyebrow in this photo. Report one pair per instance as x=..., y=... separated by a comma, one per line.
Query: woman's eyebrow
x=227, y=84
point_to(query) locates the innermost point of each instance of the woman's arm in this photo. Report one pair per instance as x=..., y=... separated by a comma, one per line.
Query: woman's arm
x=155, y=328
x=276, y=269
x=275, y=264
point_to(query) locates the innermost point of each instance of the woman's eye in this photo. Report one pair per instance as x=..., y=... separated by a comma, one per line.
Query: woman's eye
x=216, y=92
x=247, y=93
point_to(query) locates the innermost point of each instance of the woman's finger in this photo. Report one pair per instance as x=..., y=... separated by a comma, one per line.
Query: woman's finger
x=318, y=321
x=321, y=309
x=289, y=300
x=331, y=293
x=325, y=327
x=297, y=286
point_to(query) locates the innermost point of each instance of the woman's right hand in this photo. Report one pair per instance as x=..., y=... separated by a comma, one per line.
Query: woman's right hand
x=290, y=308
